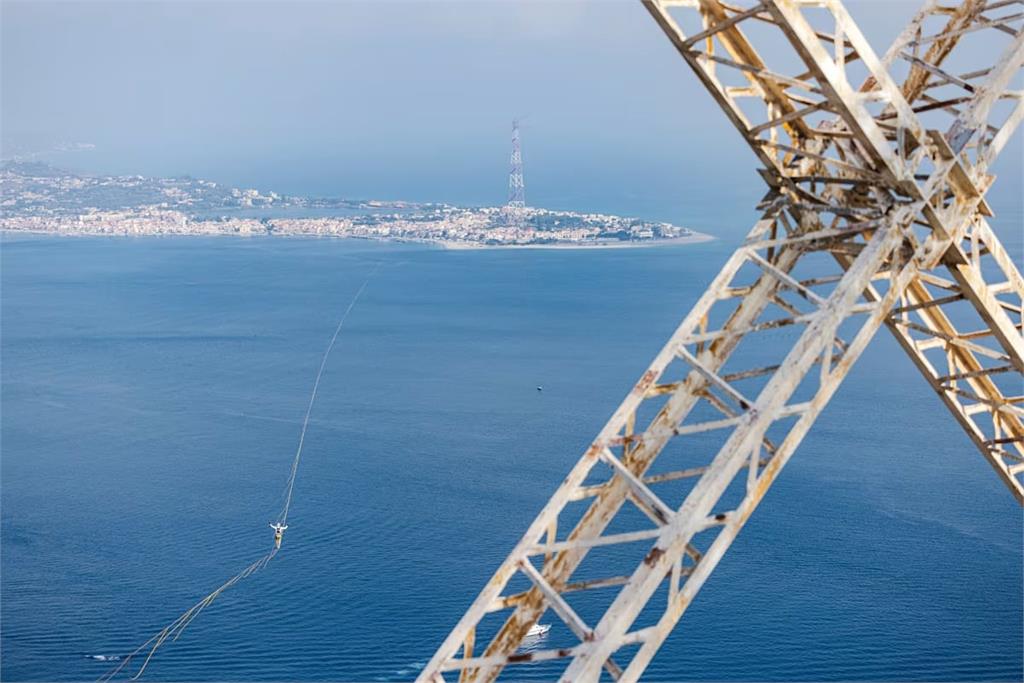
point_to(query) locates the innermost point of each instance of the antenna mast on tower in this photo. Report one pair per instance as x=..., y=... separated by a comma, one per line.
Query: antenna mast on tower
x=516, y=186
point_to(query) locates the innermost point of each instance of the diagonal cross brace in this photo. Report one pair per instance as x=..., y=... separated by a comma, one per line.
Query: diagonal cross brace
x=899, y=200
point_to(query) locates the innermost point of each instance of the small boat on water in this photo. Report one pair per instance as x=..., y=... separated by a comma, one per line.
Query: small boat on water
x=538, y=630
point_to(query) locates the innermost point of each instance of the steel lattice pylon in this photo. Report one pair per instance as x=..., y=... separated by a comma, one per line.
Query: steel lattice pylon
x=874, y=216
x=516, y=185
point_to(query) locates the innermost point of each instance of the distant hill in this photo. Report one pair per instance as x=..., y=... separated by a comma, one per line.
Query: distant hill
x=36, y=169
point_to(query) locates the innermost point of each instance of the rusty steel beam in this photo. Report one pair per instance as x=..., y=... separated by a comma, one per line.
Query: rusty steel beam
x=968, y=17
x=964, y=260
x=857, y=181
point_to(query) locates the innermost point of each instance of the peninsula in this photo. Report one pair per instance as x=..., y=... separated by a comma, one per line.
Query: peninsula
x=35, y=197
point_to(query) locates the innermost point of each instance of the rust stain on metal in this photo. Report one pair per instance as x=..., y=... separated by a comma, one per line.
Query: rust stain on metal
x=653, y=556
x=528, y=656
x=645, y=382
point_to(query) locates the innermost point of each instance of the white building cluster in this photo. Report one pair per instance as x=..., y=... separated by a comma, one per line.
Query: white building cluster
x=450, y=225
x=39, y=198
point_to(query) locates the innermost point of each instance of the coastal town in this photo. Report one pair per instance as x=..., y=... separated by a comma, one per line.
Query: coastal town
x=41, y=199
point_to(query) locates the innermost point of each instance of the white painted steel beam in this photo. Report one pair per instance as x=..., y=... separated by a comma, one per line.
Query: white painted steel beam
x=872, y=218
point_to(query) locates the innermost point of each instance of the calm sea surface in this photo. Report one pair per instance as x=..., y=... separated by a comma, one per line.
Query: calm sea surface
x=152, y=391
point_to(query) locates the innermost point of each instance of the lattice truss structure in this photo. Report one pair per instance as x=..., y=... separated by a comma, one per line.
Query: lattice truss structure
x=877, y=169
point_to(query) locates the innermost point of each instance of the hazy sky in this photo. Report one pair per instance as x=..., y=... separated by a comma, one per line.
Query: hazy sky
x=392, y=100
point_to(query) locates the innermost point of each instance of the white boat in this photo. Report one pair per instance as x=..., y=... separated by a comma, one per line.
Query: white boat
x=538, y=630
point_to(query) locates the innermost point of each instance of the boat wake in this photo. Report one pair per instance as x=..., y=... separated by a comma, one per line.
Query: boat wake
x=409, y=670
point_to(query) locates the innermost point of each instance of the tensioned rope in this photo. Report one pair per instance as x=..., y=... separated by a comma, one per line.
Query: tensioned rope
x=283, y=517
x=174, y=629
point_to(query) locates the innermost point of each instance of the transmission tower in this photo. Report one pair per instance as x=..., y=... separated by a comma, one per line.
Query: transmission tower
x=516, y=186
x=874, y=216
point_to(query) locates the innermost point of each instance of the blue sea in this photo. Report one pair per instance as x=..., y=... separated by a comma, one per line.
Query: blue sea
x=152, y=394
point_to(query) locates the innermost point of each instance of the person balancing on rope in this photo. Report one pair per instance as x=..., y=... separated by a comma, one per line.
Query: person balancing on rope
x=278, y=533
x=174, y=629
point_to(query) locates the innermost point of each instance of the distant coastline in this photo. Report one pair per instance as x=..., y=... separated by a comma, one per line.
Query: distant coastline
x=39, y=199
x=693, y=238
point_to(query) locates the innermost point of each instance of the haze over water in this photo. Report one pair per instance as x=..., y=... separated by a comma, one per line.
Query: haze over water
x=409, y=100
x=152, y=392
